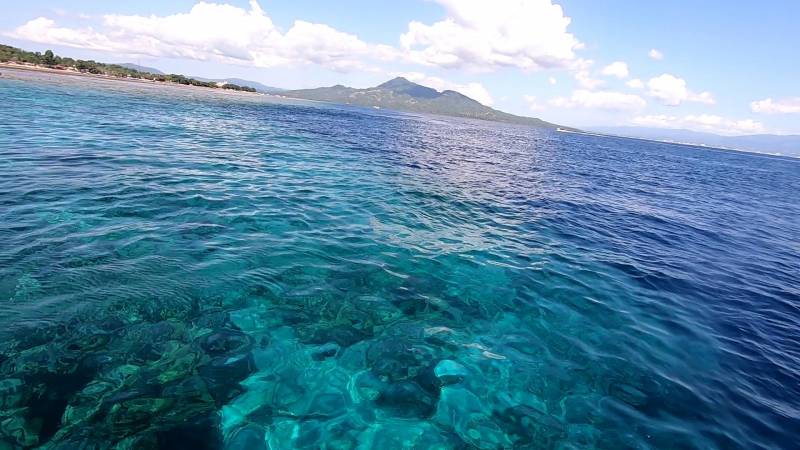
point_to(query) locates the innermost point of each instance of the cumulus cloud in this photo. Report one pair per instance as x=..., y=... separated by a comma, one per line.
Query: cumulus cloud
x=533, y=103
x=655, y=54
x=703, y=122
x=672, y=91
x=635, y=84
x=604, y=100
x=770, y=106
x=531, y=34
x=617, y=69
x=45, y=31
x=583, y=75
x=211, y=31
x=586, y=81
x=474, y=91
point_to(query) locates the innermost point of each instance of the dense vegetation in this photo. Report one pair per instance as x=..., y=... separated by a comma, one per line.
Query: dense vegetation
x=49, y=59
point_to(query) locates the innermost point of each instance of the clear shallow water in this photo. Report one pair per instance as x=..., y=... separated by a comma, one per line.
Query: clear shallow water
x=183, y=269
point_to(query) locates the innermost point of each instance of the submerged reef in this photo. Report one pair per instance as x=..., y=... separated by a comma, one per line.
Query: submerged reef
x=324, y=368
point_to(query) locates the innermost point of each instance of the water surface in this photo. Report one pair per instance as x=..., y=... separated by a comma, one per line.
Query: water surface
x=182, y=268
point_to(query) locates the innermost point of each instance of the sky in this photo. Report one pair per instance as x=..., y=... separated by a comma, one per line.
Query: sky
x=726, y=67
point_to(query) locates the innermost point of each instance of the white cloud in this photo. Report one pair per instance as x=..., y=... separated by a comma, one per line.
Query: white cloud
x=212, y=31
x=475, y=91
x=672, y=91
x=585, y=80
x=783, y=106
x=656, y=55
x=617, y=69
x=583, y=75
x=703, y=122
x=528, y=34
x=635, y=84
x=533, y=103
x=552, y=81
x=604, y=100
x=45, y=31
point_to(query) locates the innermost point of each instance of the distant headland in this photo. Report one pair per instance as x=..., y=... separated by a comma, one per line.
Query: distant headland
x=52, y=62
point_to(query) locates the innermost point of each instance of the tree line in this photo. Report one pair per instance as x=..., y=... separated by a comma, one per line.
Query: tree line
x=49, y=59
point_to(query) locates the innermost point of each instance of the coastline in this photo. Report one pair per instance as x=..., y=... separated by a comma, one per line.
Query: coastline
x=140, y=81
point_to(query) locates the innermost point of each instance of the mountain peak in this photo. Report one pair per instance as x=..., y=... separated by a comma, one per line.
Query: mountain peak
x=397, y=82
x=401, y=85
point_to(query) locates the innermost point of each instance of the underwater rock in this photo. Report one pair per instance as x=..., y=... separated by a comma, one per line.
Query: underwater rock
x=232, y=361
x=328, y=404
x=248, y=437
x=404, y=434
x=213, y=320
x=141, y=441
x=222, y=375
x=397, y=359
x=84, y=439
x=120, y=374
x=344, y=336
x=380, y=311
x=450, y=372
x=342, y=433
x=406, y=399
x=226, y=342
x=87, y=342
x=132, y=416
x=12, y=393
x=97, y=362
x=86, y=403
x=179, y=362
x=20, y=429
x=325, y=351
x=309, y=436
x=27, y=337
x=461, y=411
x=147, y=342
x=37, y=360
x=366, y=386
x=530, y=425
x=192, y=433
x=411, y=303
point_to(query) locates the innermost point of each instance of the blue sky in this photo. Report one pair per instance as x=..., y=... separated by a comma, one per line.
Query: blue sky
x=724, y=67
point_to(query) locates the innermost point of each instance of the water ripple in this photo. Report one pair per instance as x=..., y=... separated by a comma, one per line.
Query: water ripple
x=245, y=272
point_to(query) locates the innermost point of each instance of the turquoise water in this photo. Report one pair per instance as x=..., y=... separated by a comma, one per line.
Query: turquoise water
x=181, y=268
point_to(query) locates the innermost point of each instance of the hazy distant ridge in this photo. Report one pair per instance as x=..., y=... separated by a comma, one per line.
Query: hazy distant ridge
x=787, y=145
x=139, y=68
x=238, y=81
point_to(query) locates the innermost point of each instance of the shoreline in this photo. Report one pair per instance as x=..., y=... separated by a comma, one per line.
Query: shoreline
x=78, y=74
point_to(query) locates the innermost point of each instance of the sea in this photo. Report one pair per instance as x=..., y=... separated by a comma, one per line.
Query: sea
x=186, y=268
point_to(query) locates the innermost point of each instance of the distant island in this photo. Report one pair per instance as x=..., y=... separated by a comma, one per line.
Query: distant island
x=401, y=94
x=12, y=55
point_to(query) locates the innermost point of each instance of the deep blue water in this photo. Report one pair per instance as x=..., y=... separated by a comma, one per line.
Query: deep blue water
x=181, y=268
